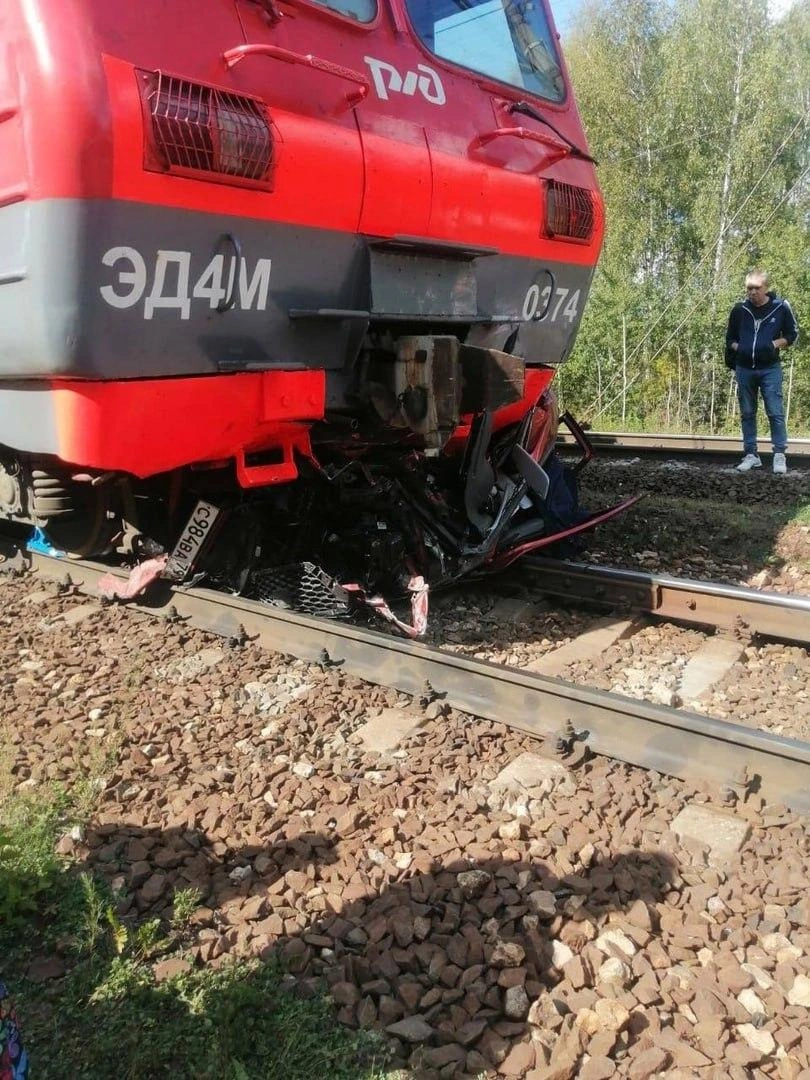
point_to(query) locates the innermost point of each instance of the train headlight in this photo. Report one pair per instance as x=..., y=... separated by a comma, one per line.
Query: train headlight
x=245, y=145
x=194, y=129
x=570, y=213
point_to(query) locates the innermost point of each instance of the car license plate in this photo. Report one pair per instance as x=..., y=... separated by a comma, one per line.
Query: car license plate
x=191, y=541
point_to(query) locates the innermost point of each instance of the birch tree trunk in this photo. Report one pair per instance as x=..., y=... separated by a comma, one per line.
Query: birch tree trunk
x=743, y=46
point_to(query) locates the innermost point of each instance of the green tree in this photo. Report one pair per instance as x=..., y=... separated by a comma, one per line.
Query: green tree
x=698, y=112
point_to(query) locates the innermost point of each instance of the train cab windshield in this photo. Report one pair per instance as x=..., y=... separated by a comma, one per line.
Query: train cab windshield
x=507, y=40
x=360, y=10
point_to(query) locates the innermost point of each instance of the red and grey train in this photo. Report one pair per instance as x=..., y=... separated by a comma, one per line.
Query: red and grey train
x=310, y=262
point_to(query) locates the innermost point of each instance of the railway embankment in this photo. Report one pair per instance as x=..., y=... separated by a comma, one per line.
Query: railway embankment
x=487, y=909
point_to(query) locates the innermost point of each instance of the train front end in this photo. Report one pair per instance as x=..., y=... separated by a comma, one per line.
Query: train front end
x=310, y=264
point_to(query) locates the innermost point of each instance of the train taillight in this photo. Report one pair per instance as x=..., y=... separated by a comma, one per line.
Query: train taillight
x=570, y=212
x=198, y=130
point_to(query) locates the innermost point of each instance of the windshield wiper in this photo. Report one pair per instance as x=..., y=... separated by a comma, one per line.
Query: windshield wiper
x=528, y=110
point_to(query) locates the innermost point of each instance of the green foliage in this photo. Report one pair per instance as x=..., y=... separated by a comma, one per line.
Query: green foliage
x=119, y=935
x=184, y=904
x=148, y=940
x=233, y=1022
x=94, y=909
x=109, y=1018
x=698, y=113
x=29, y=866
x=115, y=1022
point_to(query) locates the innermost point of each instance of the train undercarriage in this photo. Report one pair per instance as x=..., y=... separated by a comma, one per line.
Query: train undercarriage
x=437, y=462
x=356, y=526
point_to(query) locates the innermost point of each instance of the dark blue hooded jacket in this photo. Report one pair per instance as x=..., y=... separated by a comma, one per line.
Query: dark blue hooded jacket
x=755, y=329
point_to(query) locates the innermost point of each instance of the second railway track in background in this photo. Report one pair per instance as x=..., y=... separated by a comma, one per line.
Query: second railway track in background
x=720, y=446
x=570, y=718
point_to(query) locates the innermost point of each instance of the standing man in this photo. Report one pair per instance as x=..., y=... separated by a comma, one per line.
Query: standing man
x=759, y=327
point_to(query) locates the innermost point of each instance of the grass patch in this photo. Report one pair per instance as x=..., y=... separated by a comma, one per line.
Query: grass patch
x=30, y=870
x=108, y=1017
x=110, y=1020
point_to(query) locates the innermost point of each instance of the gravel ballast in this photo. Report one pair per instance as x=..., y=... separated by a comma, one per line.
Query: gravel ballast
x=544, y=922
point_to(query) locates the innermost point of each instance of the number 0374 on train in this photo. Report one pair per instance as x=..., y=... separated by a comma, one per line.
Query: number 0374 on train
x=284, y=285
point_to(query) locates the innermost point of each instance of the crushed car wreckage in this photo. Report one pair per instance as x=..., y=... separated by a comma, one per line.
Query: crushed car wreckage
x=357, y=535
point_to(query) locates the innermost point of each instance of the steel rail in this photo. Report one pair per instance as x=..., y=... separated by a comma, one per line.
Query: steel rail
x=675, y=444
x=670, y=741
x=701, y=603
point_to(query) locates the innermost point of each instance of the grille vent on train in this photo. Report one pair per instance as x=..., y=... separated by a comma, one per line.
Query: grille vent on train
x=200, y=129
x=570, y=213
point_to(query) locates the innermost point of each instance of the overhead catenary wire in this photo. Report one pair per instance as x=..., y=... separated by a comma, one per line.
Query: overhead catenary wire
x=644, y=152
x=802, y=120
x=733, y=258
x=710, y=254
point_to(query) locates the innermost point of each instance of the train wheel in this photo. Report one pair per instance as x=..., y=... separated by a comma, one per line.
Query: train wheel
x=10, y=489
x=78, y=518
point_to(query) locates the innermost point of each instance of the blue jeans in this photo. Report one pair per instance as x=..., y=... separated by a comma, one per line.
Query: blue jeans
x=769, y=381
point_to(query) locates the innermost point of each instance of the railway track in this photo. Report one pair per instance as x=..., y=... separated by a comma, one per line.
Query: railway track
x=720, y=446
x=571, y=719
x=727, y=608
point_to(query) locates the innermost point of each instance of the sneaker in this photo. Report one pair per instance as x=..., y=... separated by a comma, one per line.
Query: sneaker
x=779, y=463
x=751, y=461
